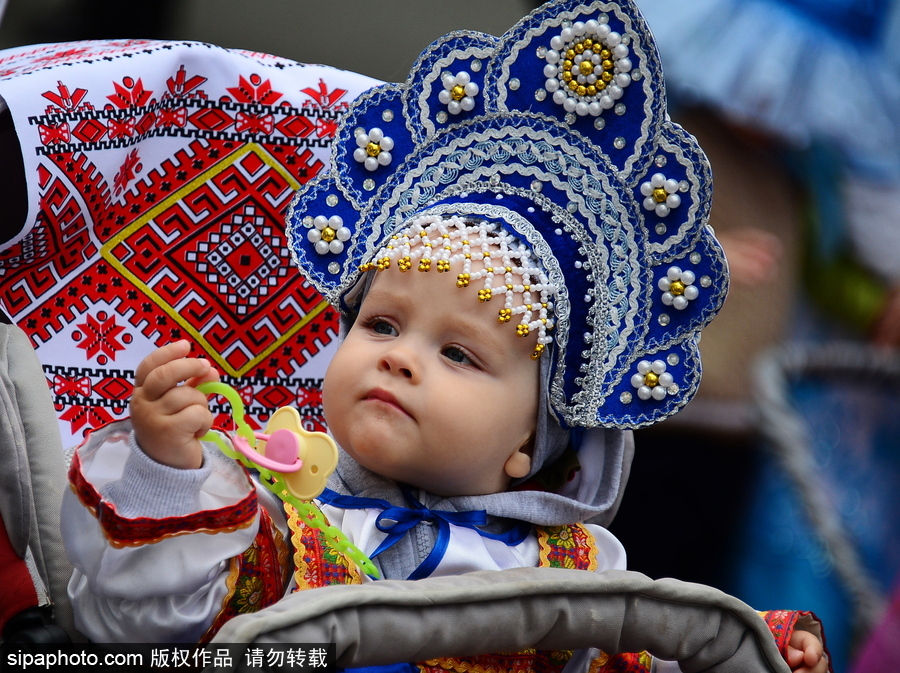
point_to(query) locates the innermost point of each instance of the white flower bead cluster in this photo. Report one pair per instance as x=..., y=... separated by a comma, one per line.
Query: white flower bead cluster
x=678, y=288
x=652, y=380
x=373, y=149
x=660, y=194
x=587, y=68
x=328, y=234
x=459, y=92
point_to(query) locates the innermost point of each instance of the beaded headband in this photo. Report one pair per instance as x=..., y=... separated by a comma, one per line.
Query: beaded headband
x=556, y=134
x=439, y=242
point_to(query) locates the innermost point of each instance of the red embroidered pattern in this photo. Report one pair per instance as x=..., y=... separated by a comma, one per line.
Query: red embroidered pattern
x=258, y=577
x=122, y=532
x=316, y=564
x=162, y=194
x=781, y=624
x=627, y=662
x=529, y=661
x=567, y=547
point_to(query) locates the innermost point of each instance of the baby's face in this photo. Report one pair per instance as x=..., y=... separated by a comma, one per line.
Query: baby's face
x=429, y=389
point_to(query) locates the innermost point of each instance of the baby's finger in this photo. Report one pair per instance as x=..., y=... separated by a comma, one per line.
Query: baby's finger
x=212, y=376
x=167, y=376
x=162, y=355
x=178, y=398
x=193, y=420
x=794, y=657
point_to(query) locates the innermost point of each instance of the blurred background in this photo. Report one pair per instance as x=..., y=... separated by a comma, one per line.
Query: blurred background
x=779, y=482
x=379, y=39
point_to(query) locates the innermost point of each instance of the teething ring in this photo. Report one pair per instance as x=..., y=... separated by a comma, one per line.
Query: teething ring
x=282, y=446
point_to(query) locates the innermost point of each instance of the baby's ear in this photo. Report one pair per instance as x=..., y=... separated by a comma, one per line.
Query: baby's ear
x=518, y=465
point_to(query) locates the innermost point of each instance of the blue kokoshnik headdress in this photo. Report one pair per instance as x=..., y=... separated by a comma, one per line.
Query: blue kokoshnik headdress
x=558, y=132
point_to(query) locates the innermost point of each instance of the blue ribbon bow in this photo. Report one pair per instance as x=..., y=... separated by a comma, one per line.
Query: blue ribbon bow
x=397, y=521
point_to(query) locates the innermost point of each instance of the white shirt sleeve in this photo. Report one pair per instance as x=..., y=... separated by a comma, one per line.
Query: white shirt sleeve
x=142, y=574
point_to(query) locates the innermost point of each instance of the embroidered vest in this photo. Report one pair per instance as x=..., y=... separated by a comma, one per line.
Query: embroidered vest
x=259, y=577
x=317, y=565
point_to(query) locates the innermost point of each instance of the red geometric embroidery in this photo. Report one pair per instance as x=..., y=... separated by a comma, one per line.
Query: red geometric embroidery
x=99, y=337
x=179, y=239
x=127, y=172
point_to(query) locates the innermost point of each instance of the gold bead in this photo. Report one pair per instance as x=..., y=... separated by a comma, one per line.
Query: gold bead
x=536, y=353
x=484, y=295
x=573, y=85
x=373, y=149
x=579, y=48
x=591, y=90
x=509, y=287
x=676, y=288
x=458, y=92
x=607, y=64
x=522, y=330
x=570, y=54
x=586, y=68
x=588, y=43
x=651, y=380
x=606, y=76
x=567, y=76
x=605, y=54
x=424, y=265
x=328, y=234
x=568, y=63
x=581, y=90
x=504, y=315
x=660, y=195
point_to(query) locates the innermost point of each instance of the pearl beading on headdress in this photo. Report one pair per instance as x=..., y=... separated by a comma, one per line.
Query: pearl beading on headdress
x=588, y=66
x=432, y=241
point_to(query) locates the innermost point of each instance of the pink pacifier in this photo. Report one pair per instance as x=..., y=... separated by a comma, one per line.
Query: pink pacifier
x=301, y=460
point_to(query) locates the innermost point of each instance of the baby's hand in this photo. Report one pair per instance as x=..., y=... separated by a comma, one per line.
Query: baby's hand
x=806, y=654
x=168, y=418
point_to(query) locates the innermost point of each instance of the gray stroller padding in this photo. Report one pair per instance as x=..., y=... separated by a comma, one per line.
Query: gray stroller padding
x=33, y=471
x=511, y=610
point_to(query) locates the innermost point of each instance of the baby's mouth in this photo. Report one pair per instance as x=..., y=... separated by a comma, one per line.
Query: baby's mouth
x=386, y=398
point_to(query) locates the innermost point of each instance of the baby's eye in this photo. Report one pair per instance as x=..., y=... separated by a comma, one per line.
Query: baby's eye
x=382, y=327
x=457, y=355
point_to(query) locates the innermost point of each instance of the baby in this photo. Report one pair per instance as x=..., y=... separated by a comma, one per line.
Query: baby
x=428, y=389
x=516, y=239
